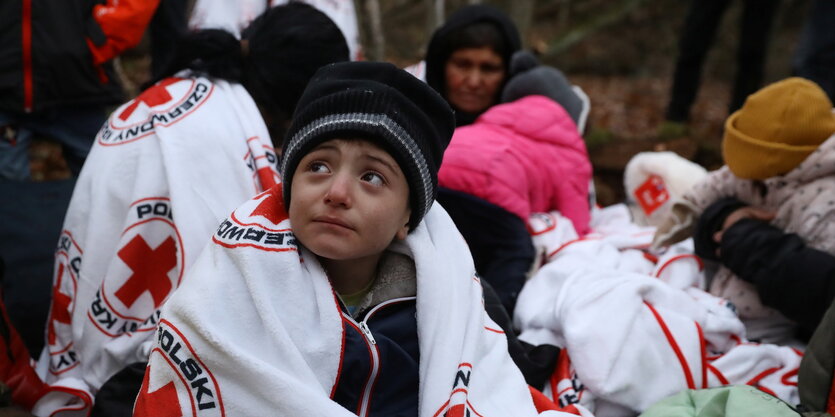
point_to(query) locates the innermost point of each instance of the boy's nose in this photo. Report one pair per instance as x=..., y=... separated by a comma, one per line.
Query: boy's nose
x=339, y=193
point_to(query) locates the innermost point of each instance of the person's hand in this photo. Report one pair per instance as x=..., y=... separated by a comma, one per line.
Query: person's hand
x=742, y=213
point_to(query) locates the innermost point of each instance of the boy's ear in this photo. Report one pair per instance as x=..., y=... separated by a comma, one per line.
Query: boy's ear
x=403, y=232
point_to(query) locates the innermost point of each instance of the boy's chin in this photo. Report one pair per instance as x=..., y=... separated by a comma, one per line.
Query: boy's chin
x=341, y=254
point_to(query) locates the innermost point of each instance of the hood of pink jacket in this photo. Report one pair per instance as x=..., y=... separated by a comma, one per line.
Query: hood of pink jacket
x=525, y=156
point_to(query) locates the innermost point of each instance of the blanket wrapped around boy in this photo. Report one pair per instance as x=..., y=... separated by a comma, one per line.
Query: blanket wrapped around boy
x=256, y=328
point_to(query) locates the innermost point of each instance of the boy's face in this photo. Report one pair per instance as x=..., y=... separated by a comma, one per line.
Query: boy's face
x=349, y=200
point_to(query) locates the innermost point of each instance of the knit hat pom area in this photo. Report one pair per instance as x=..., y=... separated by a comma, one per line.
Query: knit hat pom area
x=381, y=103
x=777, y=128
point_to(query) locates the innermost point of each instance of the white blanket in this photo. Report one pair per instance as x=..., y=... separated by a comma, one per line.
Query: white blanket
x=163, y=172
x=255, y=329
x=635, y=337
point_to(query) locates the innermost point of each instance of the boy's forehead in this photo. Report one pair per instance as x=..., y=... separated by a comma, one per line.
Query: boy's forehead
x=365, y=147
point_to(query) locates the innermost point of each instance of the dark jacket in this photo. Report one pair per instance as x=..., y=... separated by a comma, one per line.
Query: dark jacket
x=379, y=372
x=791, y=277
x=439, y=49
x=54, y=52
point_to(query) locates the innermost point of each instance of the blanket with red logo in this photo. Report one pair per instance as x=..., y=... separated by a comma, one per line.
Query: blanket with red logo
x=165, y=169
x=256, y=329
x=634, y=325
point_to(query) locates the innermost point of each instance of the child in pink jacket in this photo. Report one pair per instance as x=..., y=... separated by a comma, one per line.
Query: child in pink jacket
x=520, y=157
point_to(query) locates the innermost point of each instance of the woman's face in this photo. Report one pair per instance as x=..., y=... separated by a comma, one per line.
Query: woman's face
x=473, y=78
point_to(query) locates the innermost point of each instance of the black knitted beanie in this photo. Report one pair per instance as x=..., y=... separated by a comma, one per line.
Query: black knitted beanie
x=378, y=102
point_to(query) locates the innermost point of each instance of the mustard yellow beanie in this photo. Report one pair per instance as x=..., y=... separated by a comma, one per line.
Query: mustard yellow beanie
x=777, y=128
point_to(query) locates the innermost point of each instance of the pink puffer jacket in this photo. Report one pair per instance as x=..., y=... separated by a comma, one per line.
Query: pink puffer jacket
x=526, y=157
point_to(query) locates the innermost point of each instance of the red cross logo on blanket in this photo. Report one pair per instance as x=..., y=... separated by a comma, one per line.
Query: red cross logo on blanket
x=153, y=96
x=271, y=208
x=160, y=403
x=60, y=307
x=150, y=270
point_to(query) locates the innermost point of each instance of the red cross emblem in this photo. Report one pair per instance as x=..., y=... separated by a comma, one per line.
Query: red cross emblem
x=153, y=96
x=271, y=208
x=160, y=403
x=60, y=307
x=150, y=270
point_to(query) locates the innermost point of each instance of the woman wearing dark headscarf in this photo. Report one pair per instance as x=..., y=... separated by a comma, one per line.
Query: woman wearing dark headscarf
x=506, y=161
x=468, y=59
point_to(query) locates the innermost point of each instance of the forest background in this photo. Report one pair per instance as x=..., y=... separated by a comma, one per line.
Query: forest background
x=621, y=52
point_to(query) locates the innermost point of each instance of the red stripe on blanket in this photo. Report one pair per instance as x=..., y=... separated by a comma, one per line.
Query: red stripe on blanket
x=200, y=361
x=182, y=379
x=187, y=113
x=677, y=258
x=87, y=402
x=755, y=381
x=718, y=375
x=785, y=378
x=671, y=340
x=72, y=239
x=547, y=229
x=703, y=350
x=240, y=223
x=571, y=242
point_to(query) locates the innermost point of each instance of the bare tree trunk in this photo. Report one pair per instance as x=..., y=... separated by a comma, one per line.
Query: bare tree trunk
x=362, y=26
x=375, y=22
x=590, y=26
x=521, y=11
x=434, y=15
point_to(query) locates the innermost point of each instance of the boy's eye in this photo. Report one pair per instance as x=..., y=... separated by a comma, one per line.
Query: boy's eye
x=373, y=178
x=318, y=167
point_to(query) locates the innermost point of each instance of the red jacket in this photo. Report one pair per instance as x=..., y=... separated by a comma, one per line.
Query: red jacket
x=56, y=52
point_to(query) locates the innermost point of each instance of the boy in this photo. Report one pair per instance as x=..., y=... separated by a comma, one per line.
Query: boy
x=357, y=299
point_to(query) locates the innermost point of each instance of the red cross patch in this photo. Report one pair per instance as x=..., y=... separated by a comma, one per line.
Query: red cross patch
x=154, y=96
x=271, y=207
x=150, y=268
x=652, y=194
x=145, y=270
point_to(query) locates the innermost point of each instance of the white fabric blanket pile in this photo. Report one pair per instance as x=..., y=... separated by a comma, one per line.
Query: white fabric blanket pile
x=163, y=172
x=255, y=329
x=638, y=331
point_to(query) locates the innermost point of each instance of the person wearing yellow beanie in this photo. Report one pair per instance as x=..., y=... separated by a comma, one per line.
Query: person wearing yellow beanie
x=768, y=216
x=777, y=128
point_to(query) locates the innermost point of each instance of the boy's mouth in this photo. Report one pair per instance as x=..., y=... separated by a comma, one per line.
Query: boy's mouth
x=332, y=220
